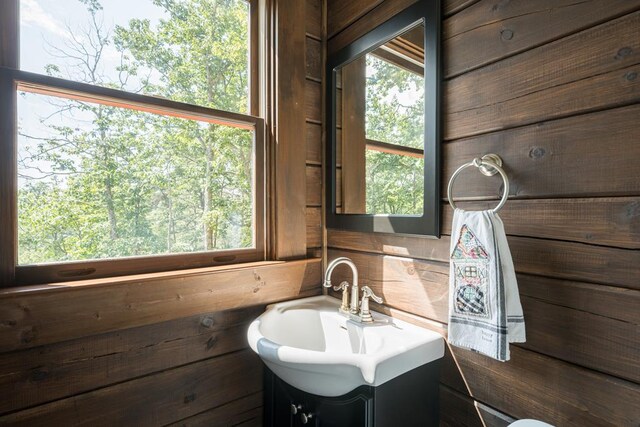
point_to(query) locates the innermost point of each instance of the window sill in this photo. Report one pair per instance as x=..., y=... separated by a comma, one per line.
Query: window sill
x=133, y=278
x=45, y=314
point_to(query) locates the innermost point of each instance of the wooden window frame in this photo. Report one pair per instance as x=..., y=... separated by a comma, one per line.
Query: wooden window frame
x=13, y=79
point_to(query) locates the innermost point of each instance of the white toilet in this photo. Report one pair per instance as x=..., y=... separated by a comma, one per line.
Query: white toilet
x=529, y=423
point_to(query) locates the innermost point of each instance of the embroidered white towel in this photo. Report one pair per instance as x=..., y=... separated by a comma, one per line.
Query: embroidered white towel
x=484, y=305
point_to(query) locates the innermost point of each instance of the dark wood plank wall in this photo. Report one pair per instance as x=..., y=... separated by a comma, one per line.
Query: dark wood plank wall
x=166, y=350
x=552, y=86
x=147, y=351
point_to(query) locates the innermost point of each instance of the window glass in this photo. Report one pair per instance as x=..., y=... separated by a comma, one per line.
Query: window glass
x=97, y=181
x=193, y=51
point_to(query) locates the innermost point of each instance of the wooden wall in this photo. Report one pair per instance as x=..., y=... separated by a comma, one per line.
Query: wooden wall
x=170, y=349
x=553, y=87
x=156, y=349
x=314, y=117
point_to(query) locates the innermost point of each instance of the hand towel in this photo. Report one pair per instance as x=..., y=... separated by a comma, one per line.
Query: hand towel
x=485, y=314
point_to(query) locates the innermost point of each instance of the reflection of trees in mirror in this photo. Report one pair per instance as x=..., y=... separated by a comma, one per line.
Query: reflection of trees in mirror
x=394, y=104
x=97, y=181
x=394, y=114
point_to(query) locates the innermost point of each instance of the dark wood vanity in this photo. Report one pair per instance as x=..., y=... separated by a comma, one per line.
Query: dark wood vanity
x=408, y=400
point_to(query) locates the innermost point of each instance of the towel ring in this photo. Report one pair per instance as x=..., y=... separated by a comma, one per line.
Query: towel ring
x=489, y=165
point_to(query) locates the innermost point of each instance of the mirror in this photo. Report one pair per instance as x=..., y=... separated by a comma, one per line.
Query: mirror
x=383, y=127
x=380, y=129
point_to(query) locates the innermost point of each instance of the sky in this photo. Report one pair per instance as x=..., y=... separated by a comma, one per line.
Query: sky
x=45, y=23
x=47, y=29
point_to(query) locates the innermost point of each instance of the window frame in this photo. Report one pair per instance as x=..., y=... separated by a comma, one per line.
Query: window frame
x=12, y=79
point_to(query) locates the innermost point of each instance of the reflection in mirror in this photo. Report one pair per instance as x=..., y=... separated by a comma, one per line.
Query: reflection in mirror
x=380, y=129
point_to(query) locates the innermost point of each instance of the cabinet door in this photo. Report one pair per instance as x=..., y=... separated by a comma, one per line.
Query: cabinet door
x=356, y=410
x=353, y=410
x=282, y=402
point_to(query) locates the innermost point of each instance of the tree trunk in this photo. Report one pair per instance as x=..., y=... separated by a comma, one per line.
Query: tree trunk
x=111, y=211
x=108, y=185
x=208, y=232
x=170, y=223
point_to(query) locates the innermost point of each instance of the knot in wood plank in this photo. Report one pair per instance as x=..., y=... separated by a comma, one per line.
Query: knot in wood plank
x=623, y=52
x=537, y=153
x=506, y=34
x=207, y=321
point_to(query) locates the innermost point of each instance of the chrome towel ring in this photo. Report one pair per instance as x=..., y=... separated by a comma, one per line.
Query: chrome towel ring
x=489, y=165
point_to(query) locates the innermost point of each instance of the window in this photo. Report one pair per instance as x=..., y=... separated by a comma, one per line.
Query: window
x=134, y=141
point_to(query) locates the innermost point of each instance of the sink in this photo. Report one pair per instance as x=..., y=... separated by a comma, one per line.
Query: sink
x=311, y=346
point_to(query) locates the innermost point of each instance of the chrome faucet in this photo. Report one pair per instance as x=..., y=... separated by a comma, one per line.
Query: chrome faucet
x=356, y=310
x=344, y=286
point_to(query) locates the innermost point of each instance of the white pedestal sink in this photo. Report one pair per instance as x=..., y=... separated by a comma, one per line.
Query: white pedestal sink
x=314, y=348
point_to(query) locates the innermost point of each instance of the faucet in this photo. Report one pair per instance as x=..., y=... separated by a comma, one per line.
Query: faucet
x=344, y=286
x=356, y=310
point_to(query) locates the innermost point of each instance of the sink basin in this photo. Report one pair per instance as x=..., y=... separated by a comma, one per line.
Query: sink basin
x=314, y=348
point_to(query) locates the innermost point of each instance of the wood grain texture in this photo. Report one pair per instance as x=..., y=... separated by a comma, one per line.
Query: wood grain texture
x=246, y=411
x=353, y=181
x=313, y=59
x=588, y=53
x=607, y=221
x=366, y=23
x=602, y=344
x=42, y=374
x=341, y=14
x=576, y=261
x=415, y=286
x=571, y=157
x=487, y=32
x=158, y=399
x=314, y=143
x=312, y=101
x=460, y=410
x=580, y=73
x=566, y=260
x=454, y=6
x=33, y=318
x=613, y=89
x=314, y=186
x=533, y=385
x=290, y=197
x=313, y=19
x=457, y=409
x=608, y=301
x=314, y=227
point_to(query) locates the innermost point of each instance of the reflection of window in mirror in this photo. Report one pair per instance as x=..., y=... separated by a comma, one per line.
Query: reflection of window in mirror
x=381, y=135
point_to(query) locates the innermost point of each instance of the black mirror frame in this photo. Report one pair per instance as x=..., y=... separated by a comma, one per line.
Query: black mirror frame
x=428, y=13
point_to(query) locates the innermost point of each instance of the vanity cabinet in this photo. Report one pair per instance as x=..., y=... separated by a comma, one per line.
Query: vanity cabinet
x=410, y=399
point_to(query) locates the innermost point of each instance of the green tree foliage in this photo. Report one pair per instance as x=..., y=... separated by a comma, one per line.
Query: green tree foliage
x=110, y=182
x=395, y=114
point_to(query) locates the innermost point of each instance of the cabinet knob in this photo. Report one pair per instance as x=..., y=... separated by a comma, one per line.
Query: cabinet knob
x=295, y=408
x=305, y=417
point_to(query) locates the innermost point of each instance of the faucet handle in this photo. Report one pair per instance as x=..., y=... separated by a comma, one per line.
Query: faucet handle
x=341, y=287
x=368, y=293
x=365, y=313
x=344, y=287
